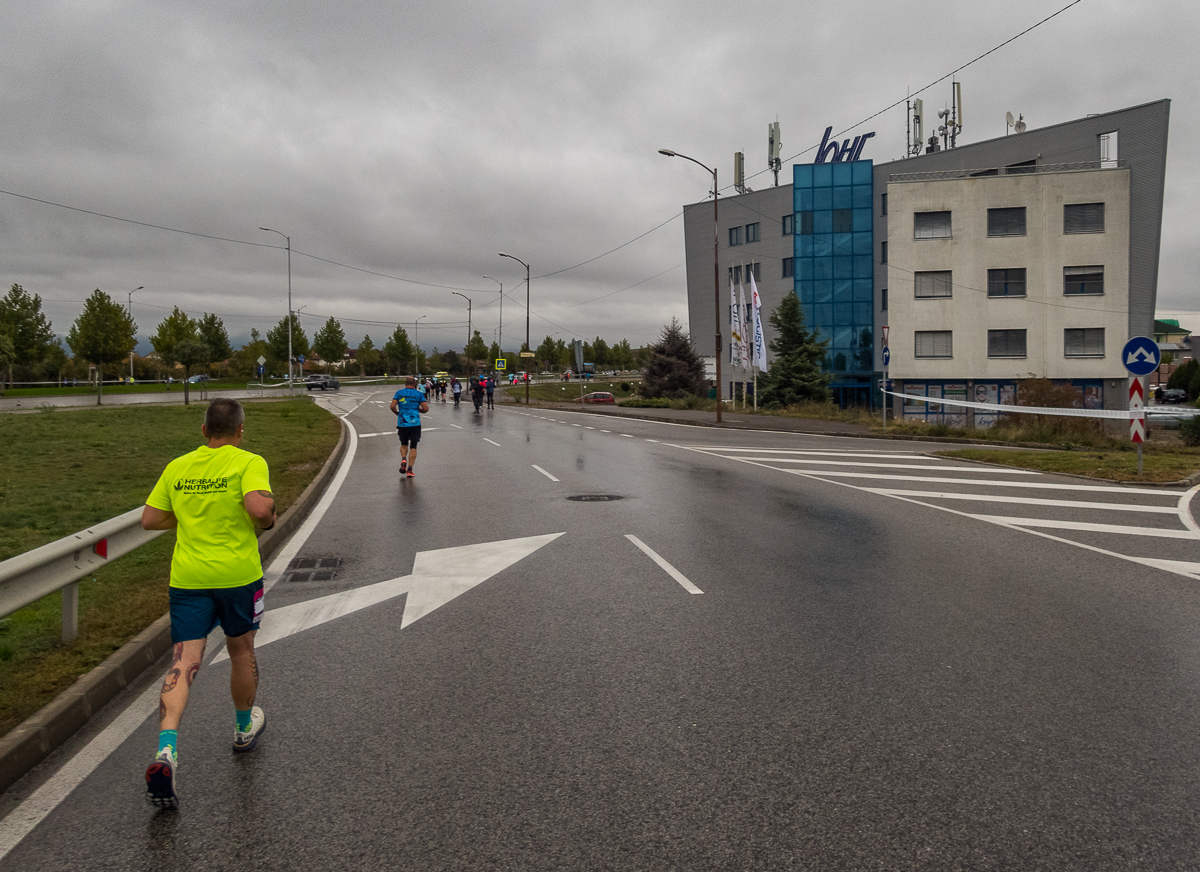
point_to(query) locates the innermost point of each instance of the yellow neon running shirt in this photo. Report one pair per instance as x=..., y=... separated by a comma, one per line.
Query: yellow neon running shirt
x=215, y=545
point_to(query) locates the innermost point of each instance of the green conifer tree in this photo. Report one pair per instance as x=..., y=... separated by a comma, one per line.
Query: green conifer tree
x=795, y=374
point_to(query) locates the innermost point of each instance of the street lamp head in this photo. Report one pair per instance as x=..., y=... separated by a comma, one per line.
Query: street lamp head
x=667, y=152
x=138, y=288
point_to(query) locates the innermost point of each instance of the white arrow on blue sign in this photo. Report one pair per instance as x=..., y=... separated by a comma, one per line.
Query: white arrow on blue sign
x=1141, y=356
x=887, y=355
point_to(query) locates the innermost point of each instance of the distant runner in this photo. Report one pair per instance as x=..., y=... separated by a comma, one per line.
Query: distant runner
x=491, y=390
x=477, y=393
x=215, y=496
x=407, y=406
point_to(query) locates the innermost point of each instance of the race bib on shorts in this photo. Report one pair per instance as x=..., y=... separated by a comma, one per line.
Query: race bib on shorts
x=258, y=606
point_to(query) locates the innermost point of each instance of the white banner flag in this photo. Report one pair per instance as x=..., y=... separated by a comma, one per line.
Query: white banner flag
x=744, y=347
x=735, y=327
x=760, y=345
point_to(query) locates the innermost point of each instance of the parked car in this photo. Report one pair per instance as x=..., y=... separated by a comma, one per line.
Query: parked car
x=597, y=397
x=322, y=381
x=199, y=379
x=1174, y=395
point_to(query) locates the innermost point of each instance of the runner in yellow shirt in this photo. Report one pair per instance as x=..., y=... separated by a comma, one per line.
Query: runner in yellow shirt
x=215, y=497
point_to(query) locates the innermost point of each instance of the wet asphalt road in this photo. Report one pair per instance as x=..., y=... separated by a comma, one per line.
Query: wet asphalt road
x=865, y=682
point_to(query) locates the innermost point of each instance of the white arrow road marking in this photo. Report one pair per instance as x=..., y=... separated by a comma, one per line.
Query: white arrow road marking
x=437, y=577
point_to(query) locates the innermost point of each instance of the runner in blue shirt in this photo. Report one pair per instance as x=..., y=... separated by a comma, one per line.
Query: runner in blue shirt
x=407, y=406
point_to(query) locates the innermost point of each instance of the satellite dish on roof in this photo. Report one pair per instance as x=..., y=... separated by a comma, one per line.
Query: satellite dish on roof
x=1019, y=127
x=1010, y=119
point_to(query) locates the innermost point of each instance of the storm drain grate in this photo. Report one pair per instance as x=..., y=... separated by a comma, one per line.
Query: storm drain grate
x=313, y=569
x=595, y=498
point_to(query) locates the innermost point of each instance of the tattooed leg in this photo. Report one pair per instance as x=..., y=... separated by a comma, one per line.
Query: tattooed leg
x=243, y=675
x=185, y=662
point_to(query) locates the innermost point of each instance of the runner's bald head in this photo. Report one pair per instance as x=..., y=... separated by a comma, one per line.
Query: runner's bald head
x=223, y=418
x=411, y=381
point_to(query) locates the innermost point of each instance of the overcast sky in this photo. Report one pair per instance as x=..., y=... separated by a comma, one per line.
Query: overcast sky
x=419, y=140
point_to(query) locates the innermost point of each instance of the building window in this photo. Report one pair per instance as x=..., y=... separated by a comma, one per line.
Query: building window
x=1006, y=282
x=735, y=236
x=843, y=220
x=883, y=204
x=1006, y=343
x=883, y=252
x=1006, y=222
x=933, y=343
x=931, y=225
x=1083, y=218
x=933, y=284
x=1085, y=280
x=806, y=223
x=789, y=267
x=1083, y=342
x=752, y=232
x=883, y=299
x=755, y=269
x=735, y=274
x=789, y=225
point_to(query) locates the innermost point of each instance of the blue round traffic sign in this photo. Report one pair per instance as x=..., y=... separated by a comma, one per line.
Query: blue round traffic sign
x=1140, y=355
x=887, y=355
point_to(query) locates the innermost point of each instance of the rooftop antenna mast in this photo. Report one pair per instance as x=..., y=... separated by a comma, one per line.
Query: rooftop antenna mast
x=739, y=173
x=774, y=164
x=952, y=117
x=914, y=129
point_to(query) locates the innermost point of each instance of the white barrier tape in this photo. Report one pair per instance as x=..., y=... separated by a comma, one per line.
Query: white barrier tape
x=1121, y=414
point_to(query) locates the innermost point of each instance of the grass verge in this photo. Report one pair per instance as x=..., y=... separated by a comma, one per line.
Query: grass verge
x=65, y=470
x=567, y=392
x=1159, y=464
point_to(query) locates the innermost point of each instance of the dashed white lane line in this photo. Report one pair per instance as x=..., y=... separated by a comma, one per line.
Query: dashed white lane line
x=587, y=428
x=485, y=439
x=606, y=431
x=456, y=427
x=369, y=435
x=626, y=435
x=667, y=567
x=651, y=440
x=543, y=472
x=576, y=425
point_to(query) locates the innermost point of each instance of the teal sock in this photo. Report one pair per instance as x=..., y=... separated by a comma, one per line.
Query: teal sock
x=167, y=737
x=243, y=720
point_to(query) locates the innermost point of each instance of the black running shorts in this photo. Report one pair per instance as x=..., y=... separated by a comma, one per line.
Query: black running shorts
x=409, y=435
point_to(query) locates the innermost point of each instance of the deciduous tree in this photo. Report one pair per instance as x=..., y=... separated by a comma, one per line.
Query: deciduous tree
x=399, y=352
x=28, y=330
x=103, y=333
x=330, y=343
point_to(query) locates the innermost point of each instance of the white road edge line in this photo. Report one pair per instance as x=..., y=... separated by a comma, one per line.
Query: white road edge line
x=543, y=472
x=1185, y=511
x=26, y=816
x=485, y=439
x=667, y=567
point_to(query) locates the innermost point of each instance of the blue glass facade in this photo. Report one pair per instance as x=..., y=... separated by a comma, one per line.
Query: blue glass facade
x=834, y=266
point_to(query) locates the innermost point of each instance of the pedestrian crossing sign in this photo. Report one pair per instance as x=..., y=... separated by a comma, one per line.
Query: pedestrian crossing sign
x=501, y=363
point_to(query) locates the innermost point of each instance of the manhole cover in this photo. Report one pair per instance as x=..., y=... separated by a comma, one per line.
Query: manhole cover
x=596, y=498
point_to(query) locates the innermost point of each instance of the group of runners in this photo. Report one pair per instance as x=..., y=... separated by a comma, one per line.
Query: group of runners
x=217, y=498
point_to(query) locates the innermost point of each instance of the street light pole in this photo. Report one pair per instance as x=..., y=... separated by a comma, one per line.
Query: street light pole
x=417, y=342
x=716, y=270
x=288, y=239
x=468, y=299
x=527, y=348
x=500, y=344
x=129, y=311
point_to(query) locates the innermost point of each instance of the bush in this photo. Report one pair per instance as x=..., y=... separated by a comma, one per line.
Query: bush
x=643, y=403
x=1189, y=431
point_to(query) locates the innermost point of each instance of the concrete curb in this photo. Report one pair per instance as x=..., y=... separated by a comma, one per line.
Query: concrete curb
x=31, y=741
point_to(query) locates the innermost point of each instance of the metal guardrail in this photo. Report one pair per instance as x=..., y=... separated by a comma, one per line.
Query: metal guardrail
x=60, y=565
x=988, y=172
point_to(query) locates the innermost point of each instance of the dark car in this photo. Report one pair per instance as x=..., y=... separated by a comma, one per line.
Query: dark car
x=324, y=382
x=596, y=397
x=1174, y=395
